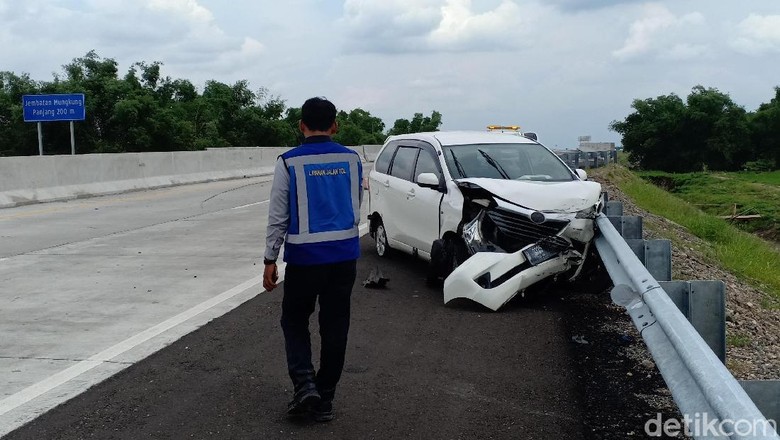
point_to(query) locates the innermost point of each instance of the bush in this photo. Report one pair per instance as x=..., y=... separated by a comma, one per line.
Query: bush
x=760, y=165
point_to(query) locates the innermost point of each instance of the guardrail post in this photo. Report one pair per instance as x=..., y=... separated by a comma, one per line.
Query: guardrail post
x=656, y=255
x=628, y=226
x=766, y=395
x=614, y=209
x=704, y=304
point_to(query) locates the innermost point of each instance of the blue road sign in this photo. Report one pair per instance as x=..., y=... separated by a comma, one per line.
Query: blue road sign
x=47, y=108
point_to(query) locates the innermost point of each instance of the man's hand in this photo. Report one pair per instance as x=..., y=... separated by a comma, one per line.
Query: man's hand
x=270, y=275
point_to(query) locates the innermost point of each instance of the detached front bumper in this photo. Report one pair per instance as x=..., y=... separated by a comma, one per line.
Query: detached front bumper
x=494, y=278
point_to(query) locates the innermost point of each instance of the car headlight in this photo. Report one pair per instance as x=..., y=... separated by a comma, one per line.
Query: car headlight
x=472, y=233
x=589, y=213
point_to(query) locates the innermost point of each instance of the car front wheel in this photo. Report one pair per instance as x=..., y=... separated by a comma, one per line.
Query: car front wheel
x=446, y=255
x=455, y=254
x=436, y=267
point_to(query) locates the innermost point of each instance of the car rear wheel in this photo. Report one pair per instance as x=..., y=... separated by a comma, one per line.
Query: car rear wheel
x=382, y=247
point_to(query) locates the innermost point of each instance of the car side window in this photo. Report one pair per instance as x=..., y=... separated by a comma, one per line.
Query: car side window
x=426, y=164
x=403, y=164
x=382, y=163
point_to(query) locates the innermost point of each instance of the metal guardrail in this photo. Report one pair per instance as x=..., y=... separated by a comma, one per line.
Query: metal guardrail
x=706, y=393
x=587, y=159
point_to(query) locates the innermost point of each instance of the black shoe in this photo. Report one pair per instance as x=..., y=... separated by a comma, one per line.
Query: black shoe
x=322, y=412
x=302, y=402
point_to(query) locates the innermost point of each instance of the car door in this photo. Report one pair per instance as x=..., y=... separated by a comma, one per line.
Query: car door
x=398, y=183
x=424, y=203
x=379, y=181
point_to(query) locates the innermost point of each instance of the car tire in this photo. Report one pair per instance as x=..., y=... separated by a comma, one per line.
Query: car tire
x=438, y=264
x=380, y=235
x=455, y=254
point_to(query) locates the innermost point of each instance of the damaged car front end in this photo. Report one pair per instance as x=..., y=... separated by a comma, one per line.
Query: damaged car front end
x=514, y=234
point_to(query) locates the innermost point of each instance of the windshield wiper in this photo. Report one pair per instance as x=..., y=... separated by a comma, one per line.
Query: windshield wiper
x=458, y=164
x=494, y=164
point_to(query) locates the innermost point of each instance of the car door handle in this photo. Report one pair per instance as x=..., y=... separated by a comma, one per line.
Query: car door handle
x=410, y=194
x=386, y=183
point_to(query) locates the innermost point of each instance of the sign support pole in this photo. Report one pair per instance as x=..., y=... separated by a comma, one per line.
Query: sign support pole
x=40, y=140
x=72, y=140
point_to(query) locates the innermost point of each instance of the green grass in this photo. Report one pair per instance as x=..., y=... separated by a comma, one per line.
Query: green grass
x=741, y=253
x=723, y=194
x=738, y=340
x=622, y=158
x=769, y=178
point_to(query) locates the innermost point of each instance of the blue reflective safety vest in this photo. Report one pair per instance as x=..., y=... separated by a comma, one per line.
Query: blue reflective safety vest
x=325, y=179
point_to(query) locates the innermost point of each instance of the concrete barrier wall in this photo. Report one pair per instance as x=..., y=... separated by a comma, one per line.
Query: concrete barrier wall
x=371, y=152
x=34, y=179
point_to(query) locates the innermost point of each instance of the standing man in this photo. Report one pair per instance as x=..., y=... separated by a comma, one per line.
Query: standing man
x=315, y=209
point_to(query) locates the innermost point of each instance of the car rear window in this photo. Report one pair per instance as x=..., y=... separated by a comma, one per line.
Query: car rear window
x=382, y=163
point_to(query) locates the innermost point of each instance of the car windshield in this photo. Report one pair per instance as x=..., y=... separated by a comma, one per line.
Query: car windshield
x=521, y=161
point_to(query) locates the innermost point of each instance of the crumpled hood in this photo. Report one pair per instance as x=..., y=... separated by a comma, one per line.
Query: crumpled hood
x=570, y=196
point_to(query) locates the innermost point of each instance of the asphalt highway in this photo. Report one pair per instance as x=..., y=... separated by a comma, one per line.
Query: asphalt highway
x=415, y=369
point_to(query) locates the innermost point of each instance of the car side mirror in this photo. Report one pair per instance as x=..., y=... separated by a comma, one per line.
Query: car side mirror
x=581, y=174
x=531, y=135
x=428, y=180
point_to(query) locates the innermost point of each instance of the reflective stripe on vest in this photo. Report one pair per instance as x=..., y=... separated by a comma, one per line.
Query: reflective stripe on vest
x=297, y=163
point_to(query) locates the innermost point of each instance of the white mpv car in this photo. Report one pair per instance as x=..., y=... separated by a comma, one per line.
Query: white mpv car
x=493, y=213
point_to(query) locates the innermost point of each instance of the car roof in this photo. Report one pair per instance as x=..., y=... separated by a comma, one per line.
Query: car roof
x=446, y=138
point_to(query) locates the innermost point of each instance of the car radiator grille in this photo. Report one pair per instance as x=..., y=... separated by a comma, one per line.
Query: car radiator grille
x=515, y=231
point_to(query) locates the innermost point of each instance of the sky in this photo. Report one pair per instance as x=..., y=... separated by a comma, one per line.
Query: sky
x=560, y=68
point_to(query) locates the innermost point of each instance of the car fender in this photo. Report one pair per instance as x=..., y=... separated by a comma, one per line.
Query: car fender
x=451, y=212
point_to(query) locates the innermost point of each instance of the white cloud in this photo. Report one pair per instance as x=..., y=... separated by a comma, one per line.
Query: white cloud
x=45, y=33
x=185, y=8
x=686, y=51
x=581, y=5
x=388, y=26
x=463, y=29
x=661, y=33
x=758, y=34
x=437, y=25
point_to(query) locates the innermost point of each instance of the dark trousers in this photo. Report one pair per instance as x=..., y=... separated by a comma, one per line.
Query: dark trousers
x=332, y=283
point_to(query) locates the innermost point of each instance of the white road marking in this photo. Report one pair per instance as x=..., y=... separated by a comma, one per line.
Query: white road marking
x=3, y=259
x=22, y=397
x=251, y=204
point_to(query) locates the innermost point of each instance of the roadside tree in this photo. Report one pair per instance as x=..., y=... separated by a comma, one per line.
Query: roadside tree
x=765, y=132
x=707, y=131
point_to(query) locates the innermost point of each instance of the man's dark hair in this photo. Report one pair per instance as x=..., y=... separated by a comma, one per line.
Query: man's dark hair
x=318, y=114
